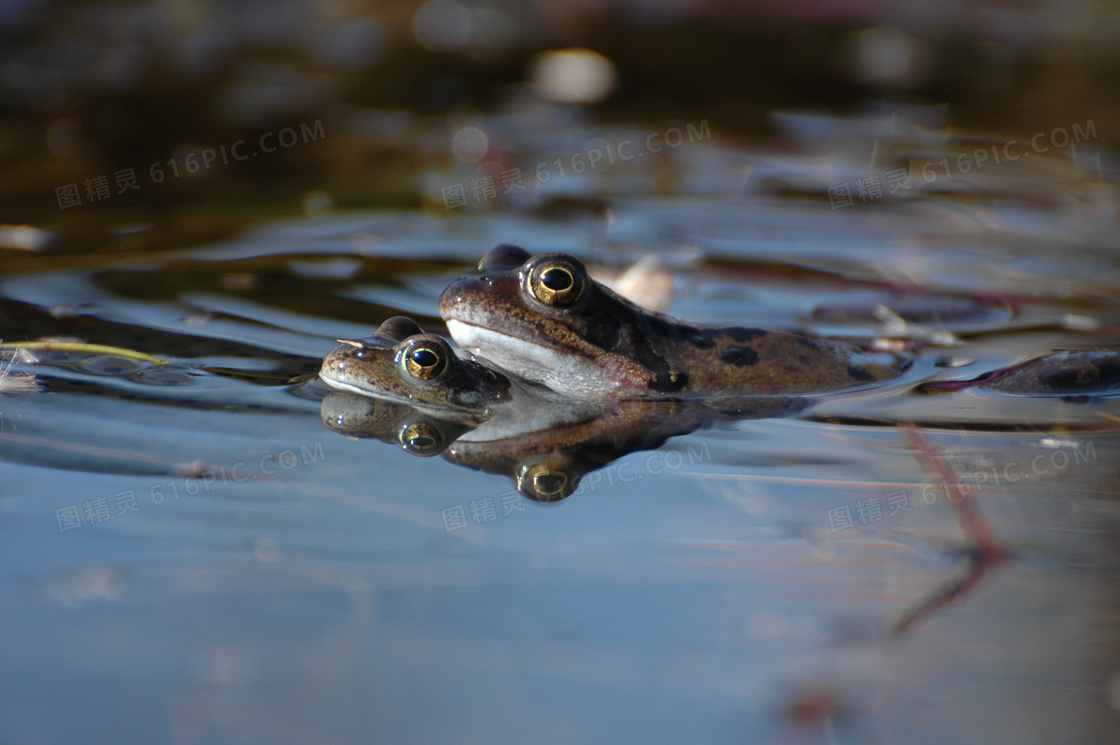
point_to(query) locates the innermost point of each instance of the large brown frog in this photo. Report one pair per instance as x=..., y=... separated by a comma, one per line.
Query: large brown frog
x=544, y=319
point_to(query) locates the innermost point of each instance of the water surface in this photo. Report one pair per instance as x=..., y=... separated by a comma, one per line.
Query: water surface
x=193, y=557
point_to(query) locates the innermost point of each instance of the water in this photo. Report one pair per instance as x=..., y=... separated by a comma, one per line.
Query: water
x=192, y=556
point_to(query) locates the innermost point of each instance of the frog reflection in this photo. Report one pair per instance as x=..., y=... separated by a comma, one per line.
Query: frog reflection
x=417, y=432
x=545, y=446
x=548, y=458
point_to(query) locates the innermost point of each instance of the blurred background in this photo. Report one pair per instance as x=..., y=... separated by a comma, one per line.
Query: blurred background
x=233, y=185
x=140, y=125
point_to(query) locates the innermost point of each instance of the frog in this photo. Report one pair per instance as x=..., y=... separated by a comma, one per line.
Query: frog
x=1065, y=373
x=1069, y=373
x=544, y=319
x=477, y=417
x=400, y=363
x=546, y=445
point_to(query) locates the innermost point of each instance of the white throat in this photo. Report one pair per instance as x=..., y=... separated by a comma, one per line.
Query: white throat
x=561, y=372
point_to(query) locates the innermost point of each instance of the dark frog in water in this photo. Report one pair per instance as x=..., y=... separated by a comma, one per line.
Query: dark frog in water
x=1068, y=374
x=543, y=318
x=400, y=363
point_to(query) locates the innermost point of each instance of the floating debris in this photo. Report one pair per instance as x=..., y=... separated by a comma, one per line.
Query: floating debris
x=16, y=381
x=77, y=346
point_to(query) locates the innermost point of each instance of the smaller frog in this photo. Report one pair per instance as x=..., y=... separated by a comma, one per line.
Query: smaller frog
x=400, y=363
x=544, y=319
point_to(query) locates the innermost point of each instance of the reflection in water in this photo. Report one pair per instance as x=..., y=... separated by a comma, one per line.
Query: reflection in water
x=418, y=433
x=545, y=446
x=983, y=551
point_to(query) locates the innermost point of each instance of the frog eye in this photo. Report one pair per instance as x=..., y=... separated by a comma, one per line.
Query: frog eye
x=421, y=438
x=424, y=359
x=556, y=283
x=544, y=482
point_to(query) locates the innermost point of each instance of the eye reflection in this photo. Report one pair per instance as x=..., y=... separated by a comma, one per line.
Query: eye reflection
x=421, y=438
x=544, y=483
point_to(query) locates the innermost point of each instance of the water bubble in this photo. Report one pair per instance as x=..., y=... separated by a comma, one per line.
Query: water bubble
x=954, y=361
x=470, y=144
x=163, y=377
x=111, y=365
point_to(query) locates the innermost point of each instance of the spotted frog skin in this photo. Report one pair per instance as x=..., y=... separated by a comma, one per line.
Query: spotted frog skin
x=544, y=319
x=400, y=363
x=1071, y=373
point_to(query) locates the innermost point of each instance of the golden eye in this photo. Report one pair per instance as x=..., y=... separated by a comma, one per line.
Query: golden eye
x=421, y=438
x=555, y=283
x=543, y=483
x=424, y=360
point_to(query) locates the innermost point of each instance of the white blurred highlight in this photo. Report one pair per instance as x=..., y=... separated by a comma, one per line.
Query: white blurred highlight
x=890, y=57
x=470, y=144
x=573, y=76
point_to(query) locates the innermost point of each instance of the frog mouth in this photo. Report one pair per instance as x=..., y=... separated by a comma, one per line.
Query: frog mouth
x=480, y=338
x=367, y=391
x=559, y=370
x=488, y=343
